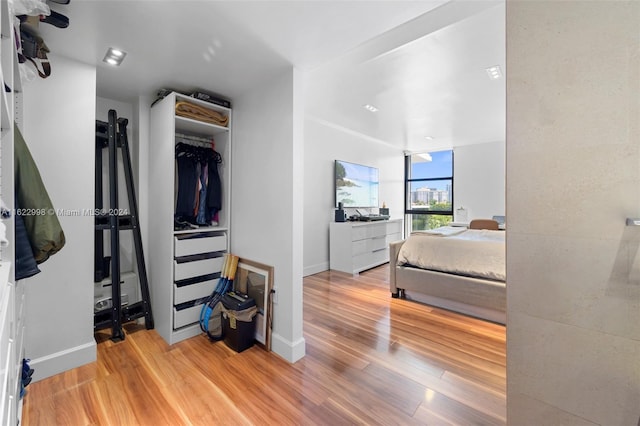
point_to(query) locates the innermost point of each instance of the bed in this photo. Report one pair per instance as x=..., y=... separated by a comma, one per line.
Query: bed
x=453, y=268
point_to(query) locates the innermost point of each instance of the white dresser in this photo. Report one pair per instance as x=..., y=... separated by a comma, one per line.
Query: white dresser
x=357, y=246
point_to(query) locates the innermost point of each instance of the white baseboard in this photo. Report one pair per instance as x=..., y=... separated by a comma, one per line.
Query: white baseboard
x=290, y=351
x=314, y=269
x=59, y=362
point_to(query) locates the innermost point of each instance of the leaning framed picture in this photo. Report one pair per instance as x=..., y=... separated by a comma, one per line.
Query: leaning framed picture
x=256, y=280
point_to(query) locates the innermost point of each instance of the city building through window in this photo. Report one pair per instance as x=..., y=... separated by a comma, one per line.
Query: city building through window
x=428, y=190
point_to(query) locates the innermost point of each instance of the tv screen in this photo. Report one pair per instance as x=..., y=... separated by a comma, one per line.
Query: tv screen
x=356, y=185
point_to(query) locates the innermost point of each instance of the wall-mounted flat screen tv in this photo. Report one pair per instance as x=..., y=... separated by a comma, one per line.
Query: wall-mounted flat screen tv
x=356, y=185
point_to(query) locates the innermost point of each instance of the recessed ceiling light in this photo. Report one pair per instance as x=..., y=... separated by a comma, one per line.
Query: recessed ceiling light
x=494, y=72
x=429, y=138
x=114, y=56
x=370, y=108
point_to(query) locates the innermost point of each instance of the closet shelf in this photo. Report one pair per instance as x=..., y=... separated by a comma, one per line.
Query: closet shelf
x=198, y=127
x=209, y=105
x=201, y=229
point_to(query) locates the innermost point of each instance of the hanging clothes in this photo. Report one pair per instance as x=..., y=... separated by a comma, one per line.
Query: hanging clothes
x=26, y=265
x=214, y=187
x=201, y=217
x=40, y=220
x=187, y=179
x=199, y=192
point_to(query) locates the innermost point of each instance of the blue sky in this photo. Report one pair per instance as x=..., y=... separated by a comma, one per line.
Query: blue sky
x=440, y=166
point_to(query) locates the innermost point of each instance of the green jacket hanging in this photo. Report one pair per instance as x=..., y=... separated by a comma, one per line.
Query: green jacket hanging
x=41, y=222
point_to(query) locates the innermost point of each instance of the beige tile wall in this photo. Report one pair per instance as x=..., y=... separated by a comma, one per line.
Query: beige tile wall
x=573, y=176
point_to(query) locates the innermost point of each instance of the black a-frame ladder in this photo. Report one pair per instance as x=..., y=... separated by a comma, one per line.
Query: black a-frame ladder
x=113, y=135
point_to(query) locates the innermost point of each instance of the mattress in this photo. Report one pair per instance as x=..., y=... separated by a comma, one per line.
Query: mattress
x=470, y=252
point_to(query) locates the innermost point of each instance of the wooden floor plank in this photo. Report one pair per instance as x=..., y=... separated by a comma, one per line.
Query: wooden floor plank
x=370, y=359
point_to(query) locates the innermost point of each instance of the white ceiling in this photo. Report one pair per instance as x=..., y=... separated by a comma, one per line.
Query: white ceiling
x=422, y=63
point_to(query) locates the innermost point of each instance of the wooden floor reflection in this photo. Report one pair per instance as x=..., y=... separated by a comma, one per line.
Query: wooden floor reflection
x=370, y=359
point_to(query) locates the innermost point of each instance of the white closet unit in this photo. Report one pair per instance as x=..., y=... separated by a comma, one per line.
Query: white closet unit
x=12, y=306
x=184, y=264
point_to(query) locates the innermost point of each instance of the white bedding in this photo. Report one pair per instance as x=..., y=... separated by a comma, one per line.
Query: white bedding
x=472, y=252
x=443, y=231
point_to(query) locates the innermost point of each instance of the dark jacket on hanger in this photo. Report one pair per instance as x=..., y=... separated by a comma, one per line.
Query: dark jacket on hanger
x=214, y=188
x=26, y=265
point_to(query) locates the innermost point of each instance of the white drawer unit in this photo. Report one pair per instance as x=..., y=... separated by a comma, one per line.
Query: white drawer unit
x=190, y=244
x=12, y=312
x=183, y=317
x=8, y=393
x=6, y=341
x=357, y=246
x=185, y=293
x=197, y=266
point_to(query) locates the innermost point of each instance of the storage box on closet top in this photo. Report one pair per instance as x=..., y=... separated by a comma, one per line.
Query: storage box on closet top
x=173, y=255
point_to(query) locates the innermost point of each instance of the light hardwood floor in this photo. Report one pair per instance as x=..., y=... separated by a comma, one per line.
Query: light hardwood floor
x=370, y=359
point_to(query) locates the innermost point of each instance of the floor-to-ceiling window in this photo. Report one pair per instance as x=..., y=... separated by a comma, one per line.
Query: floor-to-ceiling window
x=428, y=190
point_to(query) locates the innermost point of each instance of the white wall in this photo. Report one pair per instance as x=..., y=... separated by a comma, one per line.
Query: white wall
x=140, y=128
x=573, y=176
x=324, y=144
x=59, y=128
x=479, y=179
x=266, y=227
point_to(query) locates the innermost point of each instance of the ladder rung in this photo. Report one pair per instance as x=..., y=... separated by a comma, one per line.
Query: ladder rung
x=102, y=318
x=103, y=222
x=102, y=130
x=133, y=311
x=103, y=141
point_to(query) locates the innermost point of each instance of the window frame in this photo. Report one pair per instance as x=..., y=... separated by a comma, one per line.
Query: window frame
x=408, y=180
